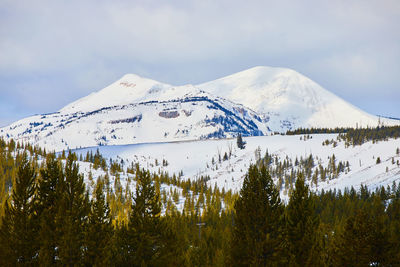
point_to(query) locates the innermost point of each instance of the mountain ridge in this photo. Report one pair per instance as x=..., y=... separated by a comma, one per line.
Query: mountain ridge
x=281, y=89
x=134, y=110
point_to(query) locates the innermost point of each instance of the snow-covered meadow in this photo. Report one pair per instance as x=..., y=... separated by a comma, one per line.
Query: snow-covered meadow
x=201, y=158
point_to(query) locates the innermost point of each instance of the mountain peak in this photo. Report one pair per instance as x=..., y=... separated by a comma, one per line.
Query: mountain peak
x=135, y=78
x=128, y=89
x=265, y=72
x=130, y=76
x=284, y=95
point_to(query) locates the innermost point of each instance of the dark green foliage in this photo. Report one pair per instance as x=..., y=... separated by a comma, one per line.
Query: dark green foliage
x=72, y=214
x=18, y=240
x=360, y=136
x=49, y=192
x=301, y=226
x=355, y=136
x=99, y=231
x=363, y=241
x=258, y=221
x=143, y=241
x=393, y=211
x=58, y=225
x=303, y=131
x=176, y=246
x=240, y=143
x=353, y=244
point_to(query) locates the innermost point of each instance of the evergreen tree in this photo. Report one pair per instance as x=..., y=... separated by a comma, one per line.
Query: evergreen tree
x=18, y=242
x=49, y=191
x=393, y=211
x=257, y=231
x=72, y=214
x=175, y=241
x=379, y=230
x=144, y=227
x=99, y=230
x=122, y=250
x=239, y=141
x=301, y=225
x=354, y=244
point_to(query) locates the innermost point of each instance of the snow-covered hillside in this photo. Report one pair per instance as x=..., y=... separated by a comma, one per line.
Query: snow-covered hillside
x=187, y=114
x=201, y=158
x=289, y=100
x=137, y=110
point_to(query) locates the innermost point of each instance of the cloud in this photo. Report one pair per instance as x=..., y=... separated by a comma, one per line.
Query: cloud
x=66, y=49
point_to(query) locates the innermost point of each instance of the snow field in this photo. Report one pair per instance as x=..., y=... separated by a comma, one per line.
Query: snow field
x=194, y=159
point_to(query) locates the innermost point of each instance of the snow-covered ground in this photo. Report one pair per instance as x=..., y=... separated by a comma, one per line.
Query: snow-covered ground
x=201, y=158
x=125, y=180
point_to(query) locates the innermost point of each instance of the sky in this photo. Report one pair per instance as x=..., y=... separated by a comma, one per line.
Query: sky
x=54, y=52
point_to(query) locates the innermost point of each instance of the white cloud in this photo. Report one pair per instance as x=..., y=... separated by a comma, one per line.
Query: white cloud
x=87, y=44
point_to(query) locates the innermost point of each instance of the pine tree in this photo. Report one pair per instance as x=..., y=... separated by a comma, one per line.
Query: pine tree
x=240, y=143
x=354, y=243
x=144, y=227
x=175, y=241
x=49, y=191
x=99, y=230
x=258, y=221
x=301, y=225
x=18, y=243
x=121, y=253
x=393, y=211
x=379, y=230
x=72, y=214
x=3, y=189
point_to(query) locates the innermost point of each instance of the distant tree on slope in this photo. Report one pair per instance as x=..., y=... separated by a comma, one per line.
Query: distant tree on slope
x=240, y=143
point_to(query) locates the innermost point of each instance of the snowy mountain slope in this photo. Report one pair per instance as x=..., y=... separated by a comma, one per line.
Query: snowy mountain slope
x=129, y=89
x=195, y=158
x=289, y=100
x=124, y=180
x=169, y=114
x=140, y=110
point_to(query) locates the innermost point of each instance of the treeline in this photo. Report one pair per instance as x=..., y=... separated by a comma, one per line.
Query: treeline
x=307, y=131
x=360, y=136
x=354, y=136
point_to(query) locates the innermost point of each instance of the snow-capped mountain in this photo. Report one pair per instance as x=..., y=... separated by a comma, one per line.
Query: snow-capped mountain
x=289, y=100
x=138, y=110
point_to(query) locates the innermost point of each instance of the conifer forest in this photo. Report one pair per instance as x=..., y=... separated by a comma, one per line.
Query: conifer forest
x=50, y=217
